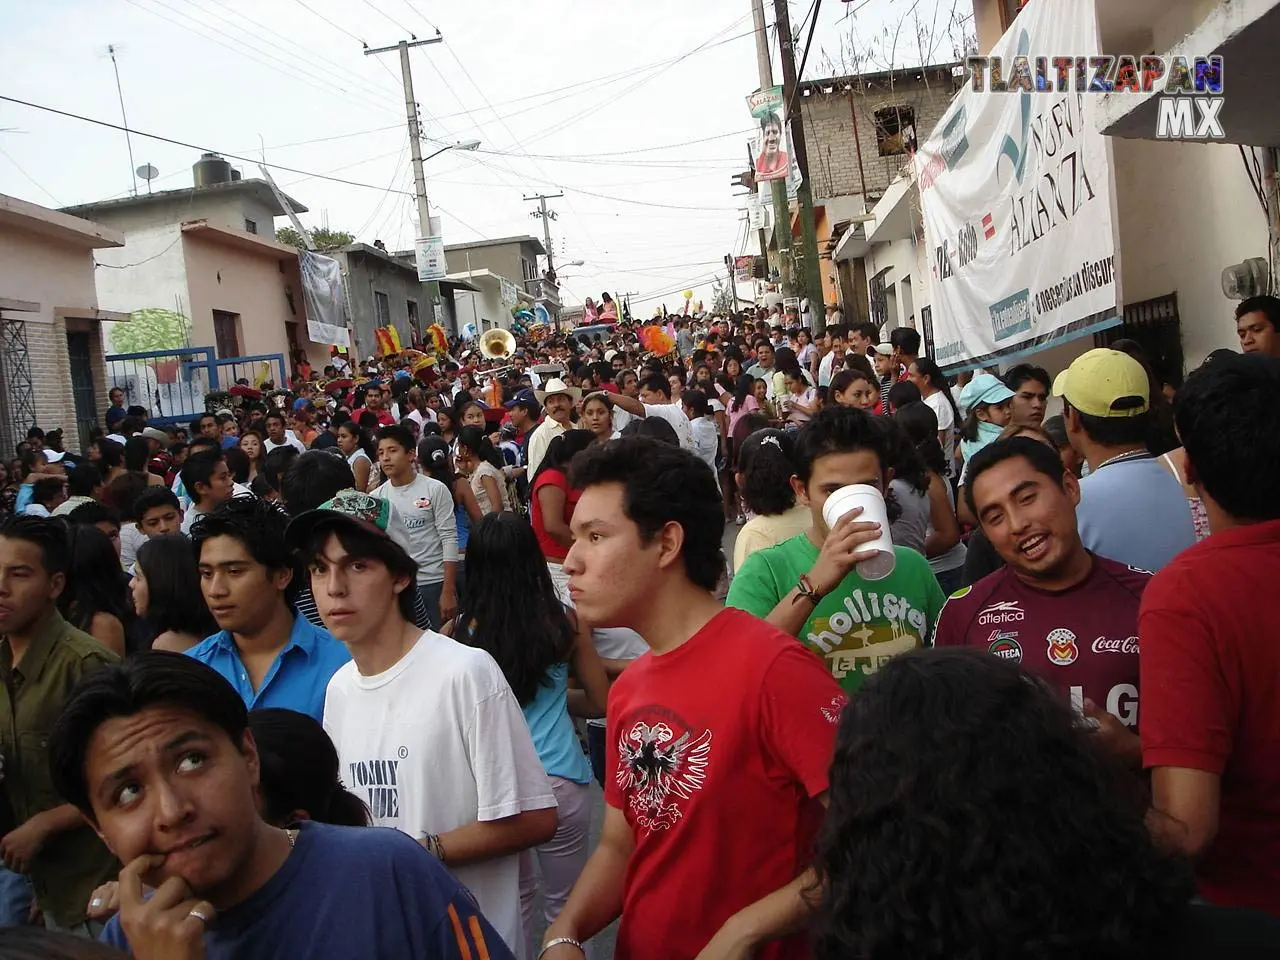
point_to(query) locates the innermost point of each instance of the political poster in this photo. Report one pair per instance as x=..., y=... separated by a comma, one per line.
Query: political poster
x=1016, y=195
x=771, y=149
x=429, y=254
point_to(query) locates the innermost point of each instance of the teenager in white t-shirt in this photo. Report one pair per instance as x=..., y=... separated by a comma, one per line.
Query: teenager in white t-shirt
x=427, y=730
x=655, y=401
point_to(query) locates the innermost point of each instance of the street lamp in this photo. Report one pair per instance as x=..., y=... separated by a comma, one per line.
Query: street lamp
x=461, y=145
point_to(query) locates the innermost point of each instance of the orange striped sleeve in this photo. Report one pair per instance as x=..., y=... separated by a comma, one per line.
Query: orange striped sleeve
x=464, y=950
x=477, y=934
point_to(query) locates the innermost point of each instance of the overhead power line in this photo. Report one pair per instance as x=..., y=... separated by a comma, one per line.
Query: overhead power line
x=193, y=146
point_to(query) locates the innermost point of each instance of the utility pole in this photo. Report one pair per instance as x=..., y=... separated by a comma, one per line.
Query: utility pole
x=415, y=131
x=547, y=216
x=781, y=207
x=812, y=278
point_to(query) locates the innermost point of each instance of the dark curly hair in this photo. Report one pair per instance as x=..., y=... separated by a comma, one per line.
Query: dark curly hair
x=971, y=816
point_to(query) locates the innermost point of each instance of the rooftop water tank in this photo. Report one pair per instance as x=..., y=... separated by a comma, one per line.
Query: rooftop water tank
x=209, y=170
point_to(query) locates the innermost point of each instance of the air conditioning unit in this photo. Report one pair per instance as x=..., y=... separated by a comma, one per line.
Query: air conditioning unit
x=1248, y=279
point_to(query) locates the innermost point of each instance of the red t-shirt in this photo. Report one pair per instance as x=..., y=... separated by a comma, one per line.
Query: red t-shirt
x=1083, y=641
x=385, y=419
x=1211, y=699
x=551, y=549
x=716, y=751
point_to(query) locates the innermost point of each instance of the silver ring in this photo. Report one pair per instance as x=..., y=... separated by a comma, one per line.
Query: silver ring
x=199, y=915
x=95, y=902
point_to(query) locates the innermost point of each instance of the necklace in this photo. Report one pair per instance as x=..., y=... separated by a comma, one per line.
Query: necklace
x=1130, y=455
x=293, y=837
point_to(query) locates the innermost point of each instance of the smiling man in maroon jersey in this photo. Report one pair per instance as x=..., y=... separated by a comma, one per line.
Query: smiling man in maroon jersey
x=1063, y=613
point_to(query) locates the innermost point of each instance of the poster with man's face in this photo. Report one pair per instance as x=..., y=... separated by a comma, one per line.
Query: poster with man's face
x=771, y=150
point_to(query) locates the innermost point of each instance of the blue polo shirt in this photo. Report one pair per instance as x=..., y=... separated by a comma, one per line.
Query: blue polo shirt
x=298, y=678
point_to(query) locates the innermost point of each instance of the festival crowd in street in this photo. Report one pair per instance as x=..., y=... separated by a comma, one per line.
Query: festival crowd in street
x=334, y=670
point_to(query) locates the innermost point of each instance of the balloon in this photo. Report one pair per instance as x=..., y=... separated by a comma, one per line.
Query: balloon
x=469, y=331
x=688, y=294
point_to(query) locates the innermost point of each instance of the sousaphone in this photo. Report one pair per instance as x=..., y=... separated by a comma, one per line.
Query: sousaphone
x=497, y=344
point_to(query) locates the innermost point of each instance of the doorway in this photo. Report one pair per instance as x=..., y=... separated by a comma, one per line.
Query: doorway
x=80, y=360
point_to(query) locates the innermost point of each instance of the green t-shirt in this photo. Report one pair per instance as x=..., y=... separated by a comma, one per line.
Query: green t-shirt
x=858, y=625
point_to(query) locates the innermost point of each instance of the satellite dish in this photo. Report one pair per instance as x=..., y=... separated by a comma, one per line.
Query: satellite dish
x=148, y=173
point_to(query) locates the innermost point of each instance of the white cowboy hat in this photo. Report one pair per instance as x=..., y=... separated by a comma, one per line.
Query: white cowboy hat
x=556, y=386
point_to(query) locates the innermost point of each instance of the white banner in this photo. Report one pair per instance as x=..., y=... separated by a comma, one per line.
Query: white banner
x=325, y=300
x=1016, y=195
x=429, y=252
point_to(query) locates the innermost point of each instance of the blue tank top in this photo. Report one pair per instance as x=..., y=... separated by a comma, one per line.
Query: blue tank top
x=553, y=735
x=464, y=525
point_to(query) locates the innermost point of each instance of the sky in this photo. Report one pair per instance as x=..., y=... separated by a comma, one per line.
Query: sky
x=635, y=111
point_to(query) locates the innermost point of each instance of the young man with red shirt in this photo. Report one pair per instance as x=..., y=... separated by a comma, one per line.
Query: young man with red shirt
x=719, y=737
x=1062, y=613
x=1210, y=661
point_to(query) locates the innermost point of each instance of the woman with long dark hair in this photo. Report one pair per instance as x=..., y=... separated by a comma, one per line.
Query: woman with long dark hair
x=942, y=546
x=513, y=613
x=971, y=814
x=936, y=392
x=96, y=598
x=436, y=460
x=166, y=594
x=597, y=416
x=137, y=459
x=351, y=443
x=253, y=443
x=552, y=501
x=764, y=474
x=481, y=465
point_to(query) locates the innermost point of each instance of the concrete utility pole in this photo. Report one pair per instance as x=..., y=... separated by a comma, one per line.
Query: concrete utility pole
x=547, y=216
x=812, y=278
x=781, y=207
x=415, y=131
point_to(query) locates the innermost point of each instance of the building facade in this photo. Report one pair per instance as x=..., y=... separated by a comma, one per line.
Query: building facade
x=51, y=352
x=208, y=253
x=383, y=290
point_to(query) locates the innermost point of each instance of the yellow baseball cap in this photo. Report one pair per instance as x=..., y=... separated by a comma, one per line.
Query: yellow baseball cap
x=1105, y=383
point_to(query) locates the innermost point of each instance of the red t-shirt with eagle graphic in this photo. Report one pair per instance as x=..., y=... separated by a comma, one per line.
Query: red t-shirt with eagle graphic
x=1083, y=641
x=716, y=754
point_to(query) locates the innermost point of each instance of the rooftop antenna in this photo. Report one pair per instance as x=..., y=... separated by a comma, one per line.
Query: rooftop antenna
x=111, y=51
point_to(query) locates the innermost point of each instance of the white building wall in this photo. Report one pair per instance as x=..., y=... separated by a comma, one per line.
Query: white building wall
x=150, y=270
x=906, y=285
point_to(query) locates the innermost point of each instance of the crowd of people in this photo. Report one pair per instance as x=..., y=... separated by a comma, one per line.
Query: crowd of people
x=445, y=598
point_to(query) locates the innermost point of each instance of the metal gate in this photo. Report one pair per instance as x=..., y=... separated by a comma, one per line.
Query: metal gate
x=172, y=384
x=80, y=358
x=1156, y=326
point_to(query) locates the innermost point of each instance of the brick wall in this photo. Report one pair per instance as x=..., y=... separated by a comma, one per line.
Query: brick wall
x=829, y=126
x=51, y=378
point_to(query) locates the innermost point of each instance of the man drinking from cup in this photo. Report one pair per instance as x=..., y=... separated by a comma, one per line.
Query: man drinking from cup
x=842, y=587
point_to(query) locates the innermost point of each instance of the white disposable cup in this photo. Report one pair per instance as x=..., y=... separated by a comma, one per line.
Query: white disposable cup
x=873, y=511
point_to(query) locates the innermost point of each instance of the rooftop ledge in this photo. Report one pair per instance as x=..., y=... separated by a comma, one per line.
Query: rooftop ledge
x=1245, y=33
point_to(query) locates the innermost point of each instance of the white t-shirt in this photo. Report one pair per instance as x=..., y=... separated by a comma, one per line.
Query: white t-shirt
x=437, y=742
x=946, y=423
x=290, y=440
x=674, y=415
x=426, y=505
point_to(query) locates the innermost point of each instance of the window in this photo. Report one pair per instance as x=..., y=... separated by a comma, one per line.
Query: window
x=411, y=308
x=529, y=270
x=895, y=130
x=226, y=333
x=250, y=226
x=1009, y=10
x=381, y=309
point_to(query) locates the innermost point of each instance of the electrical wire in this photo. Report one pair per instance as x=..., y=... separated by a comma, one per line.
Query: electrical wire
x=322, y=61
x=240, y=47
x=390, y=19
x=321, y=16
x=17, y=166
x=192, y=146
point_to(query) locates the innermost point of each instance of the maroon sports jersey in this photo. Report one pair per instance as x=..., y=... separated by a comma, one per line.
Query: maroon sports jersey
x=1083, y=641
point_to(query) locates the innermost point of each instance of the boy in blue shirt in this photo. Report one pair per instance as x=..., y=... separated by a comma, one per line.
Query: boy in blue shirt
x=269, y=654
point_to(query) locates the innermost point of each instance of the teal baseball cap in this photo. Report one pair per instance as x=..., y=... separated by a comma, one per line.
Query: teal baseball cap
x=370, y=514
